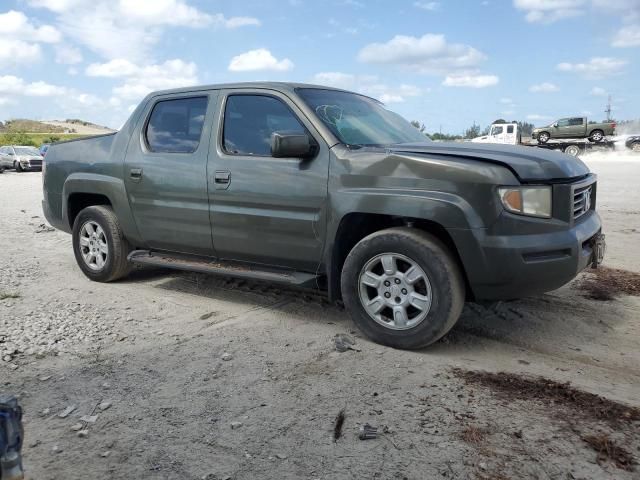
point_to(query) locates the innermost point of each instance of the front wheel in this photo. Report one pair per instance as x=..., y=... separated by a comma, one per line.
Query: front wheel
x=99, y=245
x=596, y=136
x=544, y=137
x=635, y=147
x=18, y=167
x=403, y=288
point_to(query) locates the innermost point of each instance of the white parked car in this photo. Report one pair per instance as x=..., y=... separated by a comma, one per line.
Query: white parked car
x=21, y=158
x=505, y=133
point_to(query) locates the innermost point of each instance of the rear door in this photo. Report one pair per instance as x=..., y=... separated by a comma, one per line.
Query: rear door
x=263, y=209
x=165, y=172
x=577, y=127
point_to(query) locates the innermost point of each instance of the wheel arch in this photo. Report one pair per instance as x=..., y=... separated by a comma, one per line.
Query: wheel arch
x=355, y=226
x=83, y=190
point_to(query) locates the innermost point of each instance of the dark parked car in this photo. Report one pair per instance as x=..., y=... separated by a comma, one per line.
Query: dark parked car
x=324, y=188
x=633, y=142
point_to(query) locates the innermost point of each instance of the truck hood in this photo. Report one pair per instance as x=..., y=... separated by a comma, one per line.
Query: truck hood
x=529, y=164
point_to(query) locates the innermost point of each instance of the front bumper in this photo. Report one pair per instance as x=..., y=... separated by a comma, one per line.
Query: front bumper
x=513, y=266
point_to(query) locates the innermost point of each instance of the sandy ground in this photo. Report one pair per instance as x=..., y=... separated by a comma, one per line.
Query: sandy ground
x=215, y=378
x=78, y=128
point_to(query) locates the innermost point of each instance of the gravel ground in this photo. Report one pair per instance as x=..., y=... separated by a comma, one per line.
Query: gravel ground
x=181, y=375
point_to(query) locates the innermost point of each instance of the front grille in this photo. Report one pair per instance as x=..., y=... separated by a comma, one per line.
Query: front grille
x=582, y=200
x=35, y=163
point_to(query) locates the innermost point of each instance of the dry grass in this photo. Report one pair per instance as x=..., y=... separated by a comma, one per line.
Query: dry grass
x=605, y=284
x=474, y=435
x=579, y=403
x=610, y=452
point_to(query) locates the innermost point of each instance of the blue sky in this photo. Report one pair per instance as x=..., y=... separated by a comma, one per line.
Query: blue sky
x=447, y=63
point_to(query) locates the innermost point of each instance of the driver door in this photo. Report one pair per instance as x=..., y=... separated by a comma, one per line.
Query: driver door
x=265, y=210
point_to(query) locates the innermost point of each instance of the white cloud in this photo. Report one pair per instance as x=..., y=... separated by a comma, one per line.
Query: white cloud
x=20, y=39
x=368, y=85
x=12, y=85
x=128, y=28
x=143, y=80
x=595, y=67
x=535, y=116
x=598, y=92
x=470, y=80
x=68, y=55
x=549, y=11
x=506, y=101
x=429, y=6
x=259, y=60
x=427, y=54
x=118, y=67
x=544, y=87
x=628, y=36
x=16, y=25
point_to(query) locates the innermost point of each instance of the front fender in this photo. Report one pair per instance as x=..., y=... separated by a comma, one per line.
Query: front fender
x=112, y=188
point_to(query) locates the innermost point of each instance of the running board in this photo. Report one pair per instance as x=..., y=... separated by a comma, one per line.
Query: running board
x=207, y=265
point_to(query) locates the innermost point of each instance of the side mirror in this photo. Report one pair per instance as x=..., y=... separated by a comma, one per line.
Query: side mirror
x=292, y=145
x=555, y=125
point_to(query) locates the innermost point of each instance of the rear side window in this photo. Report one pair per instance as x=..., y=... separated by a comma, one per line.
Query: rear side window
x=249, y=121
x=175, y=126
x=575, y=121
x=510, y=129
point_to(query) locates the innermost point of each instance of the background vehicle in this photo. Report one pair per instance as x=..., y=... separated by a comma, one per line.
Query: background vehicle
x=510, y=134
x=502, y=133
x=324, y=188
x=22, y=158
x=633, y=143
x=574, y=127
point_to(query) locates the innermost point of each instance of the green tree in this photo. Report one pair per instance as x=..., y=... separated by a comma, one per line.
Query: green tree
x=472, y=132
x=418, y=125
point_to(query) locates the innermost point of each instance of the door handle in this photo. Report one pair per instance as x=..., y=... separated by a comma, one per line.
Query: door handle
x=222, y=179
x=135, y=174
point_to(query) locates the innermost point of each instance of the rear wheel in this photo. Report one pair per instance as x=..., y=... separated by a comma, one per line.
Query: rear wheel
x=99, y=245
x=596, y=136
x=543, y=137
x=635, y=146
x=403, y=288
x=572, y=150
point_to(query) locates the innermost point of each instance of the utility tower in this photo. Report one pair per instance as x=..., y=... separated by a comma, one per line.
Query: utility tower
x=608, y=109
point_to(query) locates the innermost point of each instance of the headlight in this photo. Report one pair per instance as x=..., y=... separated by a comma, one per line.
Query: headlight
x=531, y=201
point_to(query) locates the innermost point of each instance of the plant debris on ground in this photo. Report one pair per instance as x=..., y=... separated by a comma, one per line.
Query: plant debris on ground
x=6, y=295
x=605, y=284
x=473, y=434
x=338, y=424
x=610, y=452
x=522, y=387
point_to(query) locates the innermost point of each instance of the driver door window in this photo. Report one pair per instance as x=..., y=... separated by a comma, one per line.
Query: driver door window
x=249, y=121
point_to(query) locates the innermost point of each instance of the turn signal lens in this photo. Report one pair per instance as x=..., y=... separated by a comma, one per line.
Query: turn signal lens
x=531, y=201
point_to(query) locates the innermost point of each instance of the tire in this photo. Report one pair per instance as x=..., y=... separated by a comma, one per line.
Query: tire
x=572, y=150
x=543, y=137
x=443, y=280
x=635, y=147
x=113, y=264
x=596, y=136
x=18, y=167
x=1, y=169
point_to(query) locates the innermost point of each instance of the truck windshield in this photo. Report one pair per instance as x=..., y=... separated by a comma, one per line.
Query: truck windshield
x=359, y=121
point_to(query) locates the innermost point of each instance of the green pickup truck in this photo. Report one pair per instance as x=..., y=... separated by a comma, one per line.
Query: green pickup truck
x=574, y=127
x=326, y=189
